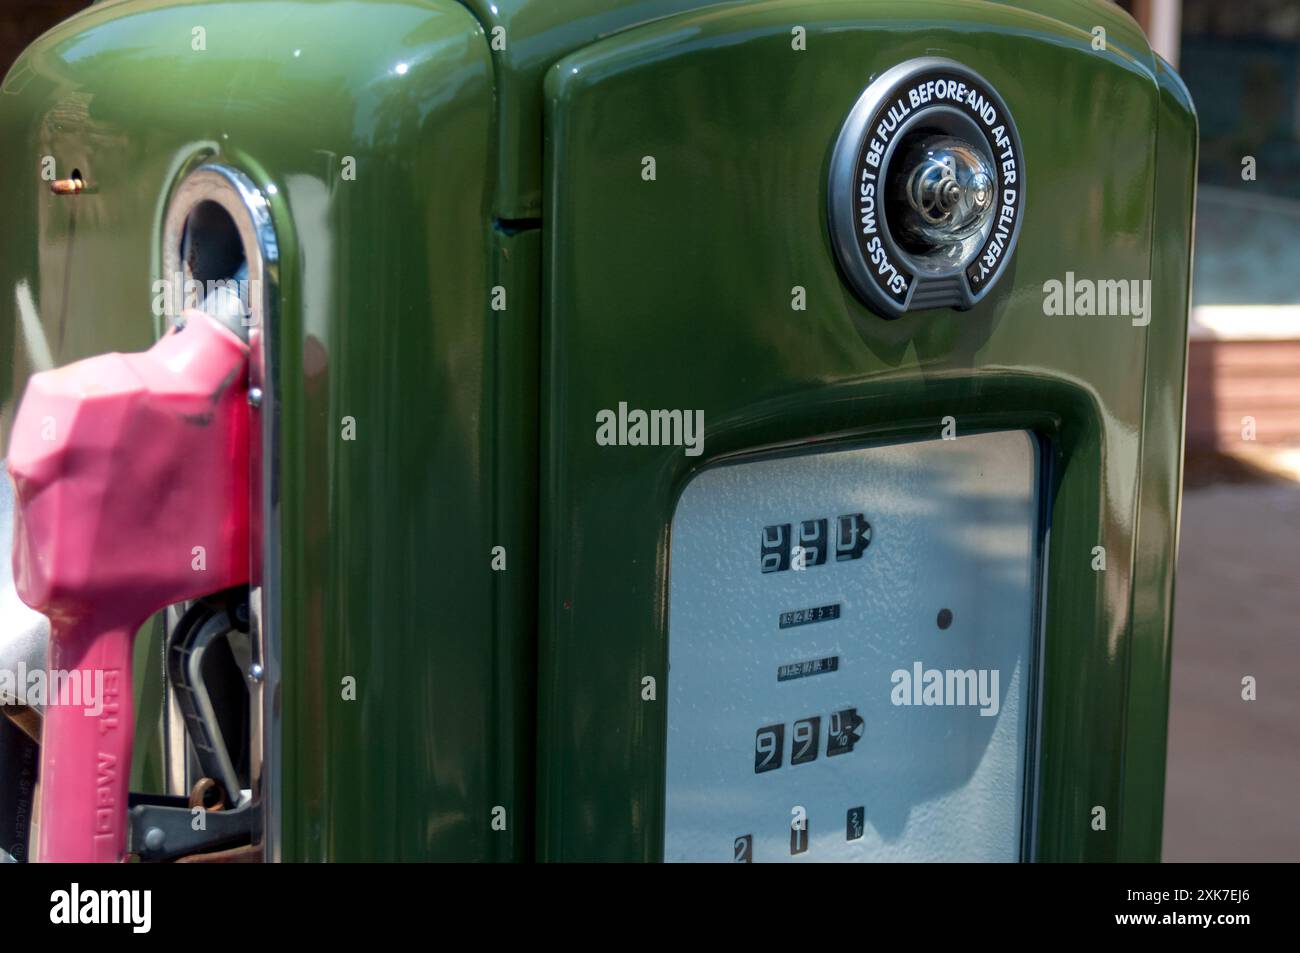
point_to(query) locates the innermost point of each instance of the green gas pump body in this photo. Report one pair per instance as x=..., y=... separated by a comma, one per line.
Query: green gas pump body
x=496, y=267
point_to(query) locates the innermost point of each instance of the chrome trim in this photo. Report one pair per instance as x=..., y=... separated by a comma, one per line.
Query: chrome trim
x=178, y=778
x=949, y=287
x=924, y=271
x=248, y=207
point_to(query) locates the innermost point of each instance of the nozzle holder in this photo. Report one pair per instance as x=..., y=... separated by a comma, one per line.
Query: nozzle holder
x=216, y=222
x=217, y=219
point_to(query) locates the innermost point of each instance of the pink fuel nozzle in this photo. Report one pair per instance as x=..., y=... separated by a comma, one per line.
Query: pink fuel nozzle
x=131, y=480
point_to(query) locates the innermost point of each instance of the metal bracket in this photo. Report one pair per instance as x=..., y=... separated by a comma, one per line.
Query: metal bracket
x=161, y=827
x=197, y=630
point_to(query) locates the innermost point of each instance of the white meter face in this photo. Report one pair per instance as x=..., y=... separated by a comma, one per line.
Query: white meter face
x=852, y=648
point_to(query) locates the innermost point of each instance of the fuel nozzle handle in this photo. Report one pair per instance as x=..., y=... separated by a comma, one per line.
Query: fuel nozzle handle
x=131, y=477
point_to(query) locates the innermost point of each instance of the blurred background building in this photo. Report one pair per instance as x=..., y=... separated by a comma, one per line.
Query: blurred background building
x=1241, y=61
x=1234, y=765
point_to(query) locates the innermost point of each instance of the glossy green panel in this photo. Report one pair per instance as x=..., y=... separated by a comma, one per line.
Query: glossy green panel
x=537, y=33
x=528, y=37
x=1161, y=472
x=385, y=318
x=682, y=288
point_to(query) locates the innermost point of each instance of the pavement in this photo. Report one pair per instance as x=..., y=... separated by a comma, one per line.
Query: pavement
x=1232, y=789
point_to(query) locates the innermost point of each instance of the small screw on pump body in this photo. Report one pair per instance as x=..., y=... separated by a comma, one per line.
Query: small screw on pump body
x=68, y=186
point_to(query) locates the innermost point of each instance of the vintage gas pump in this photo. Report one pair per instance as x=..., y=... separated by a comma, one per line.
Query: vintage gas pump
x=658, y=436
